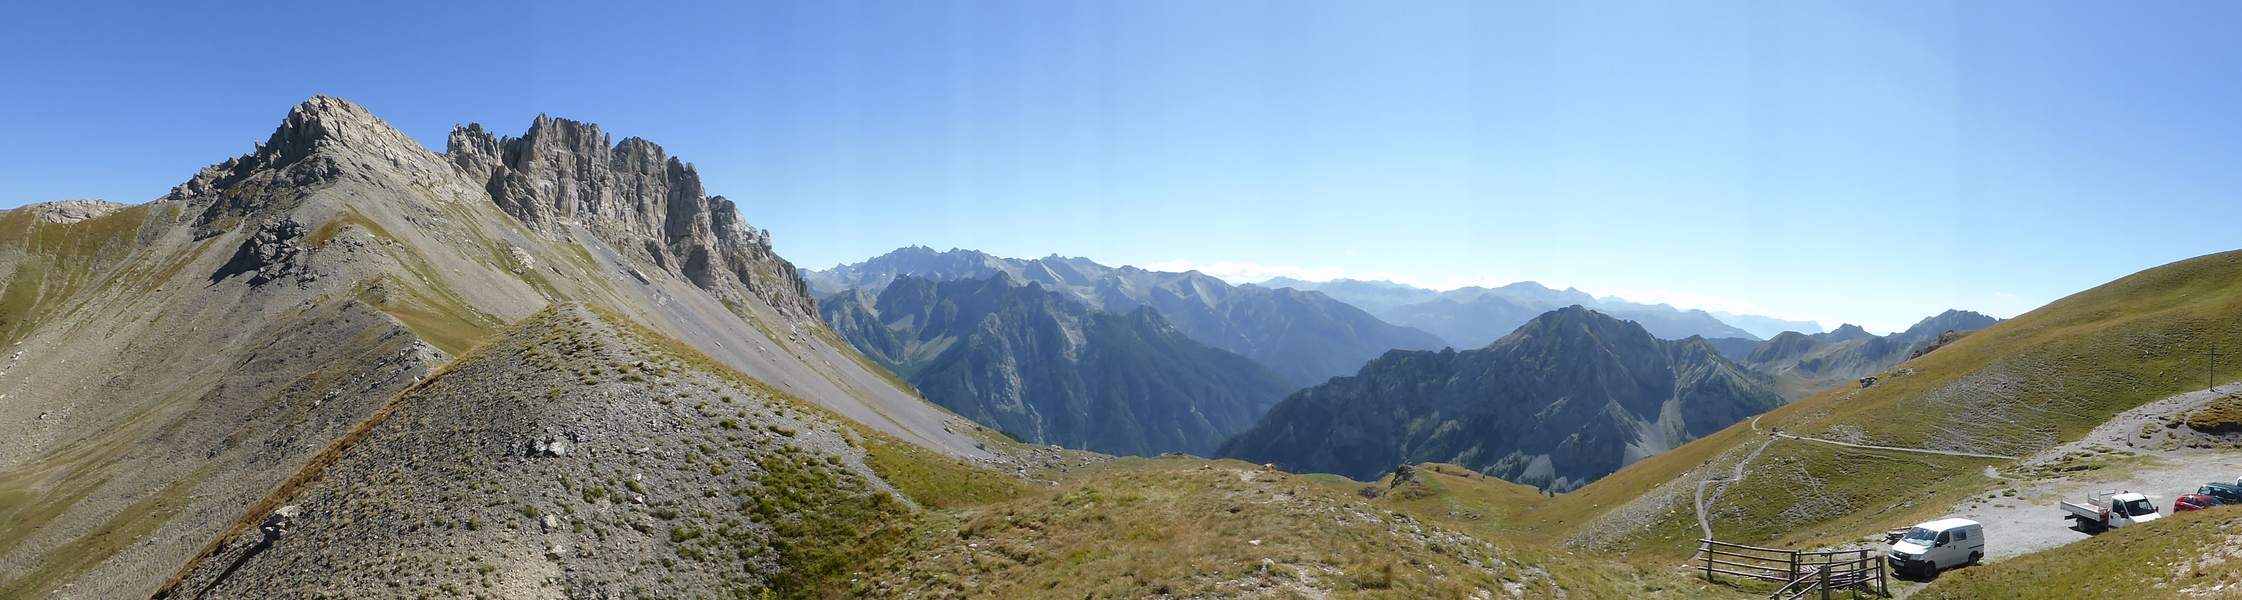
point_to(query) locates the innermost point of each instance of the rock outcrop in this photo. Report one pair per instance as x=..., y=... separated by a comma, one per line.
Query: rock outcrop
x=71, y=211
x=274, y=252
x=324, y=139
x=632, y=195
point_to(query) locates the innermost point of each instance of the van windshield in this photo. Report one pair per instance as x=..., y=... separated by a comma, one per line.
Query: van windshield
x=1920, y=536
x=2139, y=507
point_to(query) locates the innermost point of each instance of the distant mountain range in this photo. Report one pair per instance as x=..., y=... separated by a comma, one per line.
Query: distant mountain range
x=1474, y=316
x=1569, y=397
x=1305, y=336
x=1766, y=327
x=1543, y=386
x=1047, y=369
x=1802, y=364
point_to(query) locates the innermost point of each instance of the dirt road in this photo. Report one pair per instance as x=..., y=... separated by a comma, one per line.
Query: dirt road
x=1735, y=474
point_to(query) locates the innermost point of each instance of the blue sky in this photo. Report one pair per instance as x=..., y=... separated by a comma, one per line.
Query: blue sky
x=1867, y=162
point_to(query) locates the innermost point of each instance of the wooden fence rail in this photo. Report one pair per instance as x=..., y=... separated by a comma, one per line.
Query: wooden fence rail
x=1800, y=572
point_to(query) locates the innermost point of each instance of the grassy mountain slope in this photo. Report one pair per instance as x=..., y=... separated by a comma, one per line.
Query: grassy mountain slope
x=1802, y=364
x=679, y=478
x=1188, y=528
x=2019, y=386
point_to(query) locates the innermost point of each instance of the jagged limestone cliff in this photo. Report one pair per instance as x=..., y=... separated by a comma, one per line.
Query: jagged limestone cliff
x=634, y=196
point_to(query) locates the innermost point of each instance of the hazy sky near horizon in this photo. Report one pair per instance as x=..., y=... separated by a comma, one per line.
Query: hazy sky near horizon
x=1868, y=162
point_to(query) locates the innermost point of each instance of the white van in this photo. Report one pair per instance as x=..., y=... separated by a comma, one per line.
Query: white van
x=1938, y=544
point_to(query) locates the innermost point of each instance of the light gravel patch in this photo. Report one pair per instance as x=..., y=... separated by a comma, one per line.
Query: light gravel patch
x=2020, y=512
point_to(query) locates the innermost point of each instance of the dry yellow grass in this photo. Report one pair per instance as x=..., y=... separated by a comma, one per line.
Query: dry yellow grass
x=1187, y=527
x=2221, y=415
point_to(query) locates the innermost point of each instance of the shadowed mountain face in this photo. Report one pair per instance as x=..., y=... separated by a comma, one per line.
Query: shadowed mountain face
x=1048, y=370
x=1306, y=337
x=1569, y=397
x=1474, y=316
x=1801, y=364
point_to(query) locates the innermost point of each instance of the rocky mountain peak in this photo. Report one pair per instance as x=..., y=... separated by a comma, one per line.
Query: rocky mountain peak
x=1951, y=320
x=322, y=140
x=1576, y=329
x=1574, y=316
x=326, y=122
x=1847, y=331
x=632, y=194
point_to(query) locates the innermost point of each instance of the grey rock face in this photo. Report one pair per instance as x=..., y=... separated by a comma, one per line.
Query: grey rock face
x=318, y=143
x=72, y=211
x=634, y=196
x=273, y=253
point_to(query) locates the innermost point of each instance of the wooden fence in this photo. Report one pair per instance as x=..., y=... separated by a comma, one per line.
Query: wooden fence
x=1800, y=573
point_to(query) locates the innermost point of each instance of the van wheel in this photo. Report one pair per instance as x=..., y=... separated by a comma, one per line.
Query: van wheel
x=1975, y=557
x=1930, y=568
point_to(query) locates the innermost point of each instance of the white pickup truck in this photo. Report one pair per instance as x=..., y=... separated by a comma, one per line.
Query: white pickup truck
x=2111, y=509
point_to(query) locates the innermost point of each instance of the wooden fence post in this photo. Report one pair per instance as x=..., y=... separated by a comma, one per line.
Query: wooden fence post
x=1883, y=581
x=1794, y=565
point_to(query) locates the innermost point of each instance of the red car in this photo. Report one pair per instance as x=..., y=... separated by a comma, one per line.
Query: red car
x=2193, y=502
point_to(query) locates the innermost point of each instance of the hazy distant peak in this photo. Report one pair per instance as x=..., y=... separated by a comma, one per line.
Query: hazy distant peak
x=1847, y=331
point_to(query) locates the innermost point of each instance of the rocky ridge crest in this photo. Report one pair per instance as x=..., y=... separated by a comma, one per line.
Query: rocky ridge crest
x=631, y=194
x=72, y=211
